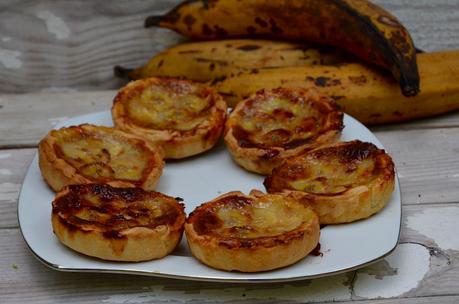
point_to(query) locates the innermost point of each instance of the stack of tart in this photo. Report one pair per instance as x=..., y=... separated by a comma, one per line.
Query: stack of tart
x=105, y=178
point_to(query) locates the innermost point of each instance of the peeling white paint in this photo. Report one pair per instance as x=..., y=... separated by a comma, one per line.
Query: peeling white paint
x=6, y=39
x=5, y=155
x=9, y=191
x=439, y=224
x=328, y=289
x=55, y=120
x=54, y=24
x=10, y=59
x=5, y=172
x=412, y=262
x=325, y=289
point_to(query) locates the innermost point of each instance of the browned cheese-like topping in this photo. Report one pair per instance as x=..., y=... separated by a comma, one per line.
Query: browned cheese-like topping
x=285, y=119
x=166, y=104
x=101, y=154
x=244, y=222
x=331, y=170
x=109, y=210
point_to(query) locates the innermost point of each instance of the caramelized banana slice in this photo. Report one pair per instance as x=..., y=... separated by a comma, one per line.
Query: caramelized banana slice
x=183, y=117
x=118, y=224
x=342, y=182
x=251, y=233
x=272, y=125
x=94, y=154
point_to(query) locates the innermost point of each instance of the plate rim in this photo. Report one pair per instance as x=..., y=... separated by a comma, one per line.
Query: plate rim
x=199, y=278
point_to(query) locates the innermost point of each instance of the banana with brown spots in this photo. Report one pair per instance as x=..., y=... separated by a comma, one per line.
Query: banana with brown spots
x=215, y=60
x=357, y=26
x=368, y=94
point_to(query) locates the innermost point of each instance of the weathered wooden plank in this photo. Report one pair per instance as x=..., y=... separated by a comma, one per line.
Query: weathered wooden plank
x=26, y=118
x=38, y=54
x=431, y=23
x=426, y=264
x=424, y=300
x=435, y=227
x=426, y=161
x=49, y=45
x=13, y=165
x=449, y=120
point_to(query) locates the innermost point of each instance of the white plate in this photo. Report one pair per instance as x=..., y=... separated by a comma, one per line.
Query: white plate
x=197, y=180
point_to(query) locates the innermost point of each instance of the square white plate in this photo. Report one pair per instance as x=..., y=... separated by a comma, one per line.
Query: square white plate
x=197, y=180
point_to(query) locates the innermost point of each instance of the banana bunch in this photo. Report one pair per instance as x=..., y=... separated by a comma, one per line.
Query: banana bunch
x=239, y=67
x=214, y=60
x=356, y=26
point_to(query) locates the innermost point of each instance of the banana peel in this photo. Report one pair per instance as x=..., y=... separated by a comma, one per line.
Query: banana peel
x=368, y=94
x=215, y=60
x=357, y=26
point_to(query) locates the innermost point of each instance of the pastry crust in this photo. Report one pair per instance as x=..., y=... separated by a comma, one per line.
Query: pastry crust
x=95, y=154
x=251, y=233
x=342, y=182
x=273, y=125
x=117, y=224
x=183, y=117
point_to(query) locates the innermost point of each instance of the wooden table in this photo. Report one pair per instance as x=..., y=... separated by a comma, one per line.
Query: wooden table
x=423, y=269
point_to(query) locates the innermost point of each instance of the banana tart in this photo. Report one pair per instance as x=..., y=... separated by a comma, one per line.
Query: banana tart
x=185, y=118
x=342, y=182
x=95, y=154
x=273, y=125
x=251, y=233
x=117, y=224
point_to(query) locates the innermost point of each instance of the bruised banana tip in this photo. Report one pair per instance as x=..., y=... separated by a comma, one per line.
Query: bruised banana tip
x=121, y=72
x=410, y=91
x=410, y=88
x=152, y=21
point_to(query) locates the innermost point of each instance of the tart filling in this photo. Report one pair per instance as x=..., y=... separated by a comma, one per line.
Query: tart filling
x=184, y=117
x=87, y=153
x=342, y=182
x=120, y=224
x=275, y=124
x=251, y=233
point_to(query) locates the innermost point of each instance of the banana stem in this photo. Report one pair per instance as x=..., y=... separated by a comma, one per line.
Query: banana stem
x=152, y=21
x=121, y=72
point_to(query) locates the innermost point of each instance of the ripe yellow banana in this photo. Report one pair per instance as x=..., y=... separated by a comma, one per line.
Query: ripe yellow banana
x=214, y=60
x=357, y=26
x=368, y=94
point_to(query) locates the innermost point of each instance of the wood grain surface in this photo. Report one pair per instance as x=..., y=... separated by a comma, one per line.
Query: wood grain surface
x=426, y=158
x=427, y=166
x=61, y=47
x=73, y=45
